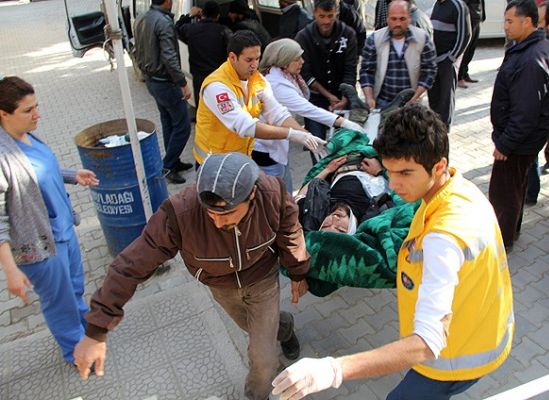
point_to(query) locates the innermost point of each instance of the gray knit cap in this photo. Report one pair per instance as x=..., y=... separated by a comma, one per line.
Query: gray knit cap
x=231, y=176
x=280, y=53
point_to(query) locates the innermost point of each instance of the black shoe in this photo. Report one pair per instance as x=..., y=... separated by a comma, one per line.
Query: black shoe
x=291, y=348
x=469, y=79
x=182, y=166
x=544, y=169
x=530, y=202
x=350, y=92
x=399, y=101
x=174, y=177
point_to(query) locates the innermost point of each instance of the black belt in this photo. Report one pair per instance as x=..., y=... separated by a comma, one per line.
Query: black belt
x=158, y=79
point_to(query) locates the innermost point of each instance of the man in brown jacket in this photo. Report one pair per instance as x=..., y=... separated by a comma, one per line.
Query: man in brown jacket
x=232, y=230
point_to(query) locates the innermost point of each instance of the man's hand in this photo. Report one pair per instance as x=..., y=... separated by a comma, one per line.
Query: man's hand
x=499, y=155
x=87, y=352
x=305, y=138
x=308, y=375
x=85, y=177
x=18, y=283
x=185, y=92
x=299, y=288
x=332, y=98
x=371, y=166
x=334, y=165
x=339, y=105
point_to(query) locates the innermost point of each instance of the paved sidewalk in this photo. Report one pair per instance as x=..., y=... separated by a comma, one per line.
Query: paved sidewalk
x=174, y=343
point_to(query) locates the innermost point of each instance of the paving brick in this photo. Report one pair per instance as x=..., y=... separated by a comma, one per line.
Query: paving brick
x=359, y=310
x=327, y=307
x=526, y=351
x=303, y=318
x=357, y=330
x=541, y=336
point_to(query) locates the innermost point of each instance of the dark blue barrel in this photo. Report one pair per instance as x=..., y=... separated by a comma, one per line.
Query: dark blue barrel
x=117, y=198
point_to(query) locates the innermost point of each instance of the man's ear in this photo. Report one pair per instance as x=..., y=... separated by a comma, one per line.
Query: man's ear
x=252, y=193
x=232, y=57
x=441, y=166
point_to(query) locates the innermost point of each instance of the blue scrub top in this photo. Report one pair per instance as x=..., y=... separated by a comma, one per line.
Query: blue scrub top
x=52, y=187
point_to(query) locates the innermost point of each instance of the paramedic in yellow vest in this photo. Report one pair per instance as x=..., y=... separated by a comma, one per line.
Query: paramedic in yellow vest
x=232, y=99
x=455, y=303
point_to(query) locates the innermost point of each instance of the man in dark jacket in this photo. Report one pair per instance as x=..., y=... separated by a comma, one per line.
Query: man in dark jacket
x=157, y=55
x=330, y=55
x=243, y=18
x=519, y=114
x=232, y=229
x=451, y=34
x=207, y=40
x=351, y=16
x=293, y=19
x=478, y=15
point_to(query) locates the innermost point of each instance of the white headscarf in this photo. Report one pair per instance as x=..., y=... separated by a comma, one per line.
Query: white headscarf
x=352, y=223
x=280, y=53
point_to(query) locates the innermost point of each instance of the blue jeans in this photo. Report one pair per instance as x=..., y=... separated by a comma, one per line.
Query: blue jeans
x=416, y=386
x=533, y=189
x=280, y=171
x=174, y=118
x=59, y=283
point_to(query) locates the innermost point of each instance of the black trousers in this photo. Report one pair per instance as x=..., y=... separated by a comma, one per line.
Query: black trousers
x=197, y=83
x=469, y=51
x=507, y=191
x=442, y=96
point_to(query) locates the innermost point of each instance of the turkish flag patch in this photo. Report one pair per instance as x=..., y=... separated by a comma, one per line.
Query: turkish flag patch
x=221, y=97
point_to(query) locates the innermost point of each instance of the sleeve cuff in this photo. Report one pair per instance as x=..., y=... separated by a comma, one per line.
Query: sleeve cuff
x=96, y=332
x=297, y=278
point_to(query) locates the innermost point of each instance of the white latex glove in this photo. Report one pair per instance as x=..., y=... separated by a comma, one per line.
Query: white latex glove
x=352, y=126
x=305, y=138
x=308, y=375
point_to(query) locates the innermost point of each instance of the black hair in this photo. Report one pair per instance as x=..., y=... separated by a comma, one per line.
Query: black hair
x=525, y=8
x=210, y=199
x=12, y=91
x=157, y=2
x=241, y=40
x=239, y=7
x=211, y=9
x=414, y=132
x=341, y=204
x=325, y=5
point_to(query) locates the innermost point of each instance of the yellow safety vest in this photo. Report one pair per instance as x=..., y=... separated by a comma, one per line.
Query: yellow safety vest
x=482, y=324
x=211, y=136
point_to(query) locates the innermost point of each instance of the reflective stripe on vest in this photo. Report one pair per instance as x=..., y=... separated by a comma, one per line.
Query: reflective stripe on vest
x=474, y=360
x=201, y=153
x=469, y=253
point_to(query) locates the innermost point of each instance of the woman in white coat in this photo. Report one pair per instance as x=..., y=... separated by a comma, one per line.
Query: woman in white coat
x=281, y=65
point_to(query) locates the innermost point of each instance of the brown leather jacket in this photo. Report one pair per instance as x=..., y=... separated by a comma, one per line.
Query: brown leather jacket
x=270, y=232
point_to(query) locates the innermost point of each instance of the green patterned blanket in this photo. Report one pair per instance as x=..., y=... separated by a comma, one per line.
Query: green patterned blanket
x=368, y=258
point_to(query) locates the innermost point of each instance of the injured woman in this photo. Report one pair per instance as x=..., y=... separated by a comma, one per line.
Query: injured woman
x=348, y=191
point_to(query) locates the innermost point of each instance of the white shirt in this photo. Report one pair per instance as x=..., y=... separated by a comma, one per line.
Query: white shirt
x=442, y=260
x=223, y=103
x=398, y=44
x=287, y=94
